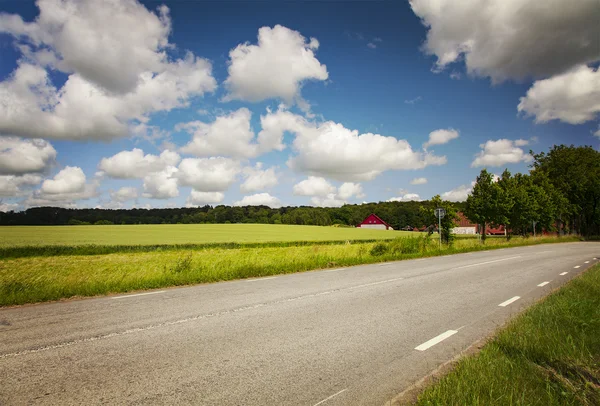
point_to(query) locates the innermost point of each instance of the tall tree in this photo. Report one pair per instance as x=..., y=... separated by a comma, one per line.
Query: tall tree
x=447, y=222
x=487, y=204
x=575, y=172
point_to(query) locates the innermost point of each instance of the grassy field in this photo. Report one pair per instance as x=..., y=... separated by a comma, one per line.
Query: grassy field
x=550, y=355
x=169, y=234
x=42, y=278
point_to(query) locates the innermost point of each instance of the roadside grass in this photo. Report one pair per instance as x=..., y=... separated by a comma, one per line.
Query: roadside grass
x=38, y=279
x=178, y=234
x=549, y=355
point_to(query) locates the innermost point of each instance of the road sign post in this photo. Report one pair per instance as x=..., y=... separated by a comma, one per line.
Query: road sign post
x=440, y=213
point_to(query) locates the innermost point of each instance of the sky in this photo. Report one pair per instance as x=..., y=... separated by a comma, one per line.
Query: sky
x=125, y=103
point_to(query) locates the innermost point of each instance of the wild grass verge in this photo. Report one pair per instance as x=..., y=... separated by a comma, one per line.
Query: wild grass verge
x=44, y=278
x=549, y=355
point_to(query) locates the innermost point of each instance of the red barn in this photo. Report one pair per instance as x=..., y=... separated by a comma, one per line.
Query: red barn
x=373, y=221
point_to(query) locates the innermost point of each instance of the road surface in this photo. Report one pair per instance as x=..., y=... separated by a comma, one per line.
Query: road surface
x=354, y=336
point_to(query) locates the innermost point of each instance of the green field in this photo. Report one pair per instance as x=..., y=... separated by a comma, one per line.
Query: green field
x=170, y=234
x=550, y=355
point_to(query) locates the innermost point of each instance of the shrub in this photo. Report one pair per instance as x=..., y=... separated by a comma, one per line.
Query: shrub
x=379, y=249
x=407, y=245
x=183, y=264
x=103, y=223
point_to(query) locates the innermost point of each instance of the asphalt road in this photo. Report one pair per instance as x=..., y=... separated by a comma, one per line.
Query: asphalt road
x=354, y=336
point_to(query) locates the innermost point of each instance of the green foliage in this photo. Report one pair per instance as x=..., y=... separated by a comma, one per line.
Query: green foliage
x=575, y=173
x=183, y=264
x=104, y=223
x=447, y=222
x=488, y=203
x=379, y=249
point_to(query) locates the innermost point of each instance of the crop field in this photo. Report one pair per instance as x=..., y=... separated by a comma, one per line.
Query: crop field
x=171, y=234
x=29, y=275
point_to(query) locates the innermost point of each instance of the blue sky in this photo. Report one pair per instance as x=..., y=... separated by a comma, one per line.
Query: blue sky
x=399, y=70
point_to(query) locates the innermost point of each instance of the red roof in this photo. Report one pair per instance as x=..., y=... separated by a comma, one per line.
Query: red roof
x=463, y=221
x=374, y=219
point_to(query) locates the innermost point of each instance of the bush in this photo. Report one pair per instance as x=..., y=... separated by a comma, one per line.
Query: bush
x=379, y=249
x=183, y=264
x=407, y=245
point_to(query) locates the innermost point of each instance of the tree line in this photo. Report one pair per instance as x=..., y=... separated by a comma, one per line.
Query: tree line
x=560, y=193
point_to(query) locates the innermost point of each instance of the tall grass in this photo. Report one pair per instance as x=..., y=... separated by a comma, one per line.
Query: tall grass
x=36, y=279
x=550, y=355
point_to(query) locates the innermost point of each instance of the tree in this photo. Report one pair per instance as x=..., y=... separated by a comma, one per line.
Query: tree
x=488, y=203
x=575, y=173
x=447, y=222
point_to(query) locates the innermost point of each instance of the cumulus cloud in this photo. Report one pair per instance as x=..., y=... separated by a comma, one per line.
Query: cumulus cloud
x=135, y=165
x=572, y=97
x=229, y=135
x=259, y=199
x=257, y=178
x=15, y=185
x=500, y=152
x=65, y=189
x=274, y=68
x=324, y=194
x=69, y=180
x=458, y=194
x=6, y=207
x=118, y=73
x=161, y=185
x=418, y=181
x=19, y=156
x=197, y=198
x=124, y=194
x=330, y=150
x=313, y=186
x=408, y=197
x=213, y=174
x=511, y=39
x=439, y=137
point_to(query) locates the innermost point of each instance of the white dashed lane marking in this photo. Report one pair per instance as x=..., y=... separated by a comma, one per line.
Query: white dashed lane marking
x=260, y=279
x=577, y=266
x=435, y=340
x=331, y=397
x=563, y=273
x=543, y=284
x=509, y=301
x=139, y=294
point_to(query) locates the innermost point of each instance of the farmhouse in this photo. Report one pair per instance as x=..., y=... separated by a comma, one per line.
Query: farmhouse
x=373, y=221
x=464, y=225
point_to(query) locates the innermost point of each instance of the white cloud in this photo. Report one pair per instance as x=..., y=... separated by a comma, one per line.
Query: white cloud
x=458, y=194
x=413, y=101
x=215, y=174
x=439, y=137
x=6, y=207
x=409, y=197
x=229, y=135
x=69, y=180
x=275, y=68
x=197, y=198
x=418, y=181
x=572, y=97
x=324, y=194
x=12, y=185
x=18, y=156
x=333, y=151
x=500, y=152
x=118, y=73
x=135, y=165
x=65, y=189
x=74, y=36
x=313, y=186
x=349, y=189
x=371, y=45
x=161, y=185
x=257, y=179
x=597, y=133
x=506, y=39
x=259, y=199
x=124, y=194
